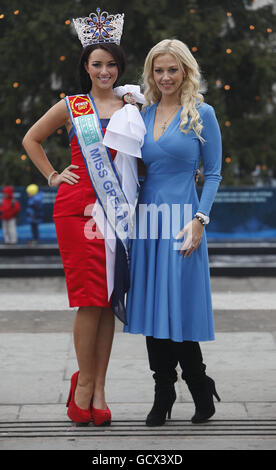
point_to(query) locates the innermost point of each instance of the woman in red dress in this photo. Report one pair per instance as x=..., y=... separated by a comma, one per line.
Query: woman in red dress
x=84, y=258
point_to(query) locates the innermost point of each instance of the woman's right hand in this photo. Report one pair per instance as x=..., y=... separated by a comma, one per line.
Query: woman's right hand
x=128, y=98
x=67, y=176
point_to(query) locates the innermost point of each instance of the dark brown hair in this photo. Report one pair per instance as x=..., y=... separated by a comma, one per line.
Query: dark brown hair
x=113, y=49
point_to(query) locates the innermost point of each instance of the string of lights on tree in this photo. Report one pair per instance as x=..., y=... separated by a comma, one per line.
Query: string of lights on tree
x=195, y=49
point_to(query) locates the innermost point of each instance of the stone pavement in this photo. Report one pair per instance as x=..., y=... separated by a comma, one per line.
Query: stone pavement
x=37, y=360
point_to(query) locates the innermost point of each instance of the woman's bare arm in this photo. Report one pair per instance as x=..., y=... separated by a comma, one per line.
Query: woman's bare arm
x=56, y=117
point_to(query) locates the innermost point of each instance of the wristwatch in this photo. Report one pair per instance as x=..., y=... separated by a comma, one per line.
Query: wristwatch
x=204, y=219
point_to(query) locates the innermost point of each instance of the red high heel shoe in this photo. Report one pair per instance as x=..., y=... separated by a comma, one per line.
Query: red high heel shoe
x=76, y=414
x=101, y=417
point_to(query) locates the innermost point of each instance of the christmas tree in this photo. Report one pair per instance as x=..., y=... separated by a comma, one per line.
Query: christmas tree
x=233, y=42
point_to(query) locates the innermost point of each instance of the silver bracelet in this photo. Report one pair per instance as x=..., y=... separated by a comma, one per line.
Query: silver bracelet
x=50, y=177
x=204, y=219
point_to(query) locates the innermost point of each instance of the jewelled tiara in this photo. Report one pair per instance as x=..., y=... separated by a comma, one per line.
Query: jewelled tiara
x=99, y=27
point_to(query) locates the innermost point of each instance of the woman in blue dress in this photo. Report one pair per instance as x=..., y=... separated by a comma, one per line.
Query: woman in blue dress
x=169, y=300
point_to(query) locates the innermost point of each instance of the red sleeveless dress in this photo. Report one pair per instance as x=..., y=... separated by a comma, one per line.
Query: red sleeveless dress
x=83, y=258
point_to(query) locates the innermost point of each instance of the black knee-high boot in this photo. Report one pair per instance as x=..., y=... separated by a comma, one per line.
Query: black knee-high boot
x=163, y=363
x=201, y=386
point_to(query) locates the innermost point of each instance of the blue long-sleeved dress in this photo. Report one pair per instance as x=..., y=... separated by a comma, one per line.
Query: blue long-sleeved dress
x=169, y=295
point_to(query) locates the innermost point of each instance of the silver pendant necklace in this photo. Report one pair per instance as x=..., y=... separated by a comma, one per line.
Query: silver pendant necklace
x=165, y=125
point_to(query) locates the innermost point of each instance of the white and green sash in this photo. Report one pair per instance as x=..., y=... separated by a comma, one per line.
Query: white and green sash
x=100, y=167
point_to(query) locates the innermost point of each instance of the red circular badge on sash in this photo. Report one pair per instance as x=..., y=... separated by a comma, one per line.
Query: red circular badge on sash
x=80, y=105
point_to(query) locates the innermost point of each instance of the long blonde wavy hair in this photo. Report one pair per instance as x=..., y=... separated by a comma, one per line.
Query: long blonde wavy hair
x=190, y=97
